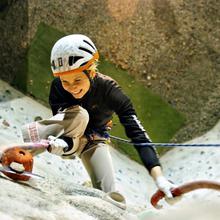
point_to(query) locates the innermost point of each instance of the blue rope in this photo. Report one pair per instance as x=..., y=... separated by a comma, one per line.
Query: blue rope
x=164, y=144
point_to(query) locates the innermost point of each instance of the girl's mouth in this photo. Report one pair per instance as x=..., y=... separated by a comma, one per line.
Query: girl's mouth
x=77, y=93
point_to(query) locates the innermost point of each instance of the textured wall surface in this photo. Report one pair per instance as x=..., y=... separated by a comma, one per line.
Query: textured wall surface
x=172, y=46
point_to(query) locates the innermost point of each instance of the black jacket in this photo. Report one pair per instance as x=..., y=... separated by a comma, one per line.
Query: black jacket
x=104, y=98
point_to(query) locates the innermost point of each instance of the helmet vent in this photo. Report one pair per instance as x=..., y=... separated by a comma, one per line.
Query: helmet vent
x=86, y=50
x=60, y=61
x=53, y=65
x=83, y=63
x=89, y=44
x=73, y=59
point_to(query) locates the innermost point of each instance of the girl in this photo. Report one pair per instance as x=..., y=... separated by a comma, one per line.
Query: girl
x=83, y=102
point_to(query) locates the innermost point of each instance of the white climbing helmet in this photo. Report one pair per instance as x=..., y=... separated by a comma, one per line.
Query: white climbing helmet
x=72, y=53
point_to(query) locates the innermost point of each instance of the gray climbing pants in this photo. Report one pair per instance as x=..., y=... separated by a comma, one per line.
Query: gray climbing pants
x=72, y=122
x=98, y=163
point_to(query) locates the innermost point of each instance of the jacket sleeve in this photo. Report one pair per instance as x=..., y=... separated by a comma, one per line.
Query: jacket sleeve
x=123, y=107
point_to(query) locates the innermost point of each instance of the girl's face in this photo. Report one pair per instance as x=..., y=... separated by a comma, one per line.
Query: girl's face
x=77, y=84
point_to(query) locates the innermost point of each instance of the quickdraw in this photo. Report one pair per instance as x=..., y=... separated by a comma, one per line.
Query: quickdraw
x=185, y=188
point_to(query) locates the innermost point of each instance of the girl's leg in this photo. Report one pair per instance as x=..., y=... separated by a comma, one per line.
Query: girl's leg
x=71, y=122
x=98, y=163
